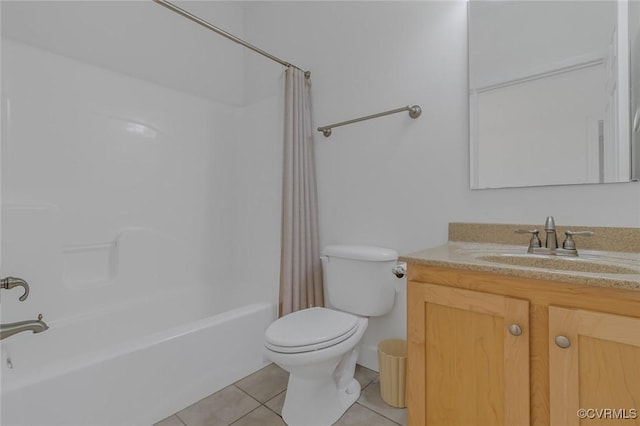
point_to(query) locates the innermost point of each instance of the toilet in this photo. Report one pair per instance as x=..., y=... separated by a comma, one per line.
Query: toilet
x=317, y=346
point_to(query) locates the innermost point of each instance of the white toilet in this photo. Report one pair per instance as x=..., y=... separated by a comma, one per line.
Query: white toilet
x=317, y=346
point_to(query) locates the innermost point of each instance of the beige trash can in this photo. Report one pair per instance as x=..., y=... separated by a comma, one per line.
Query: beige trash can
x=392, y=357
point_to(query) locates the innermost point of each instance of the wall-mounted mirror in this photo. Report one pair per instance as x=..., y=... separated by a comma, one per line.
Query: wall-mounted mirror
x=549, y=92
x=634, y=69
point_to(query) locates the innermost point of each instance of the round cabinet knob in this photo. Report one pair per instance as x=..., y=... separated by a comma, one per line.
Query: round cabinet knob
x=515, y=329
x=563, y=342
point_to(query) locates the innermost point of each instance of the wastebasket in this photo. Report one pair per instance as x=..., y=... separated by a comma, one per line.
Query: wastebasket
x=392, y=358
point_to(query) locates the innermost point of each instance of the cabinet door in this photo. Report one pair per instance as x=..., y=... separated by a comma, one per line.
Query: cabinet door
x=465, y=365
x=594, y=363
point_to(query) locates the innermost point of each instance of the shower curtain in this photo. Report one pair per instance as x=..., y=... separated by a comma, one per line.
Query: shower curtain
x=300, y=267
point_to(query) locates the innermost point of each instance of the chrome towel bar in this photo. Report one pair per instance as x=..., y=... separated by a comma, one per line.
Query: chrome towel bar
x=414, y=112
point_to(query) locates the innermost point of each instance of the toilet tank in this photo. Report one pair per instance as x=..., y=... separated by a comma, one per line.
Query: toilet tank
x=359, y=279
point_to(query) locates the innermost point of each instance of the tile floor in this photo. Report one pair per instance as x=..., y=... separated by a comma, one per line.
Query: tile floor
x=257, y=400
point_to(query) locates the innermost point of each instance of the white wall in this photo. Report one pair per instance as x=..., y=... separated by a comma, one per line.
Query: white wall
x=122, y=171
x=124, y=167
x=395, y=181
x=140, y=39
x=256, y=184
x=519, y=38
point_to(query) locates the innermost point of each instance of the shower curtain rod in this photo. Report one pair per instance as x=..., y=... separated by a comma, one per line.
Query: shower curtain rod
x=223, y=33
x=414, y=112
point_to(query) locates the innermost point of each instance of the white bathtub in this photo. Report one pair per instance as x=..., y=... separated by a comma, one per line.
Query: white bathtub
x=130, y=365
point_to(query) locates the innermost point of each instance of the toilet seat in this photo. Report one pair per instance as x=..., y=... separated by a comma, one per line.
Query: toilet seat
x=310, y=330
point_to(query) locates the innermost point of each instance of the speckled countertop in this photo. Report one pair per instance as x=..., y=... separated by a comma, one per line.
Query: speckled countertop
x=596, y=264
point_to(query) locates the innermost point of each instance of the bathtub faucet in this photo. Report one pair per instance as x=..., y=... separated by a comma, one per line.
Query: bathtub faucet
x=11, y=282
x=37, y=326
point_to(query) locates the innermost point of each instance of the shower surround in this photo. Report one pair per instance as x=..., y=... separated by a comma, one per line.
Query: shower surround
x=126, y=200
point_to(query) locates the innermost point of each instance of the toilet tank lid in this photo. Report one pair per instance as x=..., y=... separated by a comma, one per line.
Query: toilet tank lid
x=370, y=253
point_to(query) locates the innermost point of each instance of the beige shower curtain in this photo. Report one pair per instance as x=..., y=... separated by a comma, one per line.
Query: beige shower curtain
x=300, y=267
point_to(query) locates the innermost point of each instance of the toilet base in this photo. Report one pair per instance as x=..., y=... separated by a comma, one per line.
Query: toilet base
x=318, y=395
x=317, y=404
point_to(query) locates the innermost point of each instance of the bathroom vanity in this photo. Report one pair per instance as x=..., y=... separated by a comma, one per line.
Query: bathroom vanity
x=493, y=342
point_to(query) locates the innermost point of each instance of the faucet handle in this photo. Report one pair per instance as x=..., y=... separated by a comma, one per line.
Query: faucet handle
x=568, y=243
x=535, y=239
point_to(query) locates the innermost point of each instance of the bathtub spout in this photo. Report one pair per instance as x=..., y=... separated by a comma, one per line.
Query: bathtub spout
x=36, y=326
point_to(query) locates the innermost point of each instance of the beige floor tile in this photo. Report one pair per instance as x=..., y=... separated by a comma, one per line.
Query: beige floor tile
x=365, y=376
x=276, y=403
x=261, y=416
x=170, y=421
x=220, y=409
x=266, y=383
x=357, y=415
x=370, y=398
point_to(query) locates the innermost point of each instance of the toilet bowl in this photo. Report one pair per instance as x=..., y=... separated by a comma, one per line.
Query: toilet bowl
x=317, y=346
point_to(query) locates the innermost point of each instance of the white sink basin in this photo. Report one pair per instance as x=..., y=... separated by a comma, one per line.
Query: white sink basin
x=587, y=261
x=573, y=264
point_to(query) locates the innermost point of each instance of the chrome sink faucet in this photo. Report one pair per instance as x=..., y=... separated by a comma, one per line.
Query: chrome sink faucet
x=550, y=228
x=551, y=241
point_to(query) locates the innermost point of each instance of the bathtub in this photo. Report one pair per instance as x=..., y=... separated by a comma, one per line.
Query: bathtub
x=133, y=364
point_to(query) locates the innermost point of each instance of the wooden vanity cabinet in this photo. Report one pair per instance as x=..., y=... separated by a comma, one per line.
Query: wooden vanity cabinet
x=594, y=364
x=473, y=370
x=482, y=351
